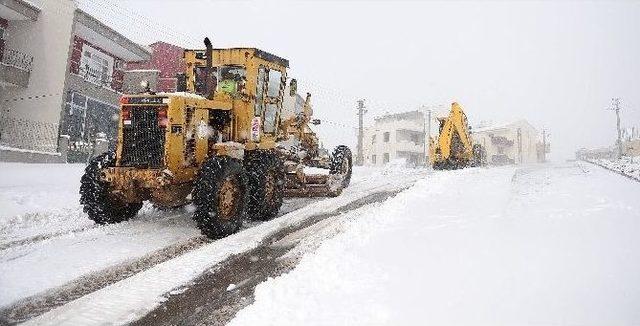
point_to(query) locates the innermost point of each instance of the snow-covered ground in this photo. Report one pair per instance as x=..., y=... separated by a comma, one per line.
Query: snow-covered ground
x=629, y=166
x=47, y=242
x=541, y=245
x=544, y=244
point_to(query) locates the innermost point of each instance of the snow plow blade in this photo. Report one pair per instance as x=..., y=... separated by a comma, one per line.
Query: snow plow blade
x=313, y=185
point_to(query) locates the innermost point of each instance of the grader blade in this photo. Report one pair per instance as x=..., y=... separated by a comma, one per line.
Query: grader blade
x=313, y=185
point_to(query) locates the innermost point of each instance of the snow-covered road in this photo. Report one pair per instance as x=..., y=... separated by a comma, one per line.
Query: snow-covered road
x=50, y=253
x=544, y=244
x=540, y=245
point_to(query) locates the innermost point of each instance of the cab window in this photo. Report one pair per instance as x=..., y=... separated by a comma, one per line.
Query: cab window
x=262, y=76
x=275, y=83
x=231, y=79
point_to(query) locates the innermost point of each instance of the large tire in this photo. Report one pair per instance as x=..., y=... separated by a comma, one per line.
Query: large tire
x=265, y=175
x=220, y=197
x=101, y=207
x=342, y=163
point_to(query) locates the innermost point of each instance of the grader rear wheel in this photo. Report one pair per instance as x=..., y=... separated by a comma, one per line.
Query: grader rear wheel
x=266, y=184
x=220, y=197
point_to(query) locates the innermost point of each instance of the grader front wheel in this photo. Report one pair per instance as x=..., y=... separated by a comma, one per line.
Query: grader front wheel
x=220, y=197
x=98, y=203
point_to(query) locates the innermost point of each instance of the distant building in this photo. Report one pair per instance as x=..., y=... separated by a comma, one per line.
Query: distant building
x=395, y=136
x=168, y=60
x=513, y=143
x=61, y=76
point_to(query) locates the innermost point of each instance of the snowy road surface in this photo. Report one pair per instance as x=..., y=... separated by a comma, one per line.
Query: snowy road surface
x=555, y=245
x=50, y=253
x=546, y=244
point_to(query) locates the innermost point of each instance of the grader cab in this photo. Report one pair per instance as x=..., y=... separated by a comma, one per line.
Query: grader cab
x=214, y=143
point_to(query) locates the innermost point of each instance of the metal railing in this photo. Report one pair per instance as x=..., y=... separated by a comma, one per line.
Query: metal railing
x=17, y=59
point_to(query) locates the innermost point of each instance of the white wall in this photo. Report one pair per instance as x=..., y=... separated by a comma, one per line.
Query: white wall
x=48, y=40
x=392, y=146
x=529, y=139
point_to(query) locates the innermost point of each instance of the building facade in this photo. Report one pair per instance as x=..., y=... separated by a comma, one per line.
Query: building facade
x=396, y=136
x=513, y=143
x=61, y=79
x=168, y=60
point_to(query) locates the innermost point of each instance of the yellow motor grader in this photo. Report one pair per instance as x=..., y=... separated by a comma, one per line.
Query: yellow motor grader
x=214, y=143
x=454, y=148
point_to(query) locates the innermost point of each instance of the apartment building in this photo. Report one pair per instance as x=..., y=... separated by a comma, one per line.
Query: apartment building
x=395, y=136
x=61, y=77
x=511, y=143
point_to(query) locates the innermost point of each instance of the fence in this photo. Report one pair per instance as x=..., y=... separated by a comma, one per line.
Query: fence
x=17, y=59
x=29, y=134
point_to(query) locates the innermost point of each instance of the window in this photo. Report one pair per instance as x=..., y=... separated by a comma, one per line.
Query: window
x=275, y=83
x=373, y=159
x=385, y=158
x=270, y=115
x=262, y=75
x=386, y=137
x=96, y=66
x=373, y=139
x=231, y=79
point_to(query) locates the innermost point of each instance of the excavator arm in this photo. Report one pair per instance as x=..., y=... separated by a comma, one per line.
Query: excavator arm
x=454, y=144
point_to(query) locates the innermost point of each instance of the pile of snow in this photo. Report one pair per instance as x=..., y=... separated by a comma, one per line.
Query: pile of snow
x=27, y=190
x=629, y=166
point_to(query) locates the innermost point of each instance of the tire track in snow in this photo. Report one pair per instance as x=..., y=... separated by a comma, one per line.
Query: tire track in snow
x=209, y=301
x=33, y=306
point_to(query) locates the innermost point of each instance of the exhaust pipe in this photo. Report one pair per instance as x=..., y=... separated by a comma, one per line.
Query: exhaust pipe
x=211, y=82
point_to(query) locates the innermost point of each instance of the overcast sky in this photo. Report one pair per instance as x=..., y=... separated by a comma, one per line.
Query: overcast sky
x=555, y=64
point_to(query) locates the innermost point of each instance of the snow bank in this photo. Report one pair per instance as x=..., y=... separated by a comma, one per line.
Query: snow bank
x=543, y=245
x=629, y=166
x=26, y=190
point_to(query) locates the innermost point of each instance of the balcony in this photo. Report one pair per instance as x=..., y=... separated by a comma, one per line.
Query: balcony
x=15, y=67
x=501, y=141
x=18, y=10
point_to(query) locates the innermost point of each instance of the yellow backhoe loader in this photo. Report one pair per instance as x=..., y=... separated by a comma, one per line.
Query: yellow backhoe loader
x=453, y=148
x=214, y=143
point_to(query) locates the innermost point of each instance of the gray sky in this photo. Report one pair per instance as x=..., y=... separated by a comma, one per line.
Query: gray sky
x=556, y=64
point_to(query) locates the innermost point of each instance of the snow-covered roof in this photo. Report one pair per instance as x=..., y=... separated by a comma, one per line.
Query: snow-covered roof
x=486, y=127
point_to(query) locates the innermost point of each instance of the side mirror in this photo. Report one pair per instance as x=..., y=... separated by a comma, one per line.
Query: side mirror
x=293, y=87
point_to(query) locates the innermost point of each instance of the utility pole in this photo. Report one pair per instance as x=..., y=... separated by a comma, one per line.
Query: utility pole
x=544, y=145
x=615, y=106
x=426, y=130
x=361, y=112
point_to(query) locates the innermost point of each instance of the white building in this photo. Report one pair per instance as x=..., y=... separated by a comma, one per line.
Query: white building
x=395, y=136
x=512, y=143
x=61, y=73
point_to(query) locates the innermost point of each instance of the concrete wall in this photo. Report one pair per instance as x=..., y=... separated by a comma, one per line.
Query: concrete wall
x=33, y=123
